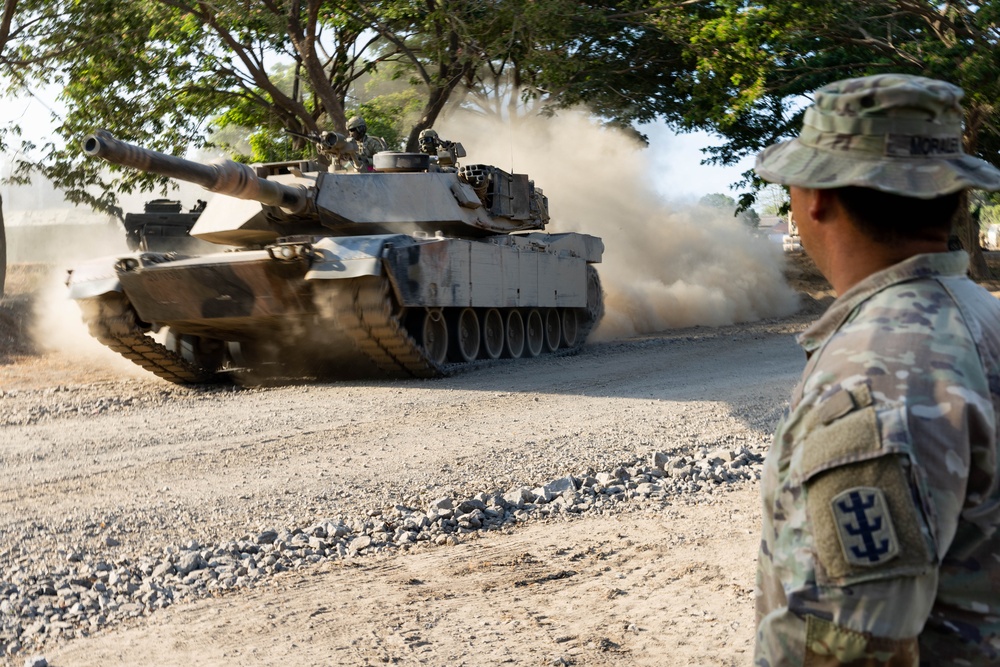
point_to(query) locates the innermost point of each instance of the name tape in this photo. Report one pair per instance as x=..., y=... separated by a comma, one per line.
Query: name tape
x=911, y=145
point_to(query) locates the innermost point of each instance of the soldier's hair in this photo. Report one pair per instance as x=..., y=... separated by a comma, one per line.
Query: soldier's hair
x=889, y=218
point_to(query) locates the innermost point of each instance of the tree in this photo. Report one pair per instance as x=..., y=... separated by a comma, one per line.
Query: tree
x=758, y=60
x=22, y=25
x=726, y=203
x=155, y=71
x=162, y=72
x=540, y=56
x=624, y=60
x=774, y=199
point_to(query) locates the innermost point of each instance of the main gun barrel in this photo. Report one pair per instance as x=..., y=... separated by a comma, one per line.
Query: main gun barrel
x=226, y=177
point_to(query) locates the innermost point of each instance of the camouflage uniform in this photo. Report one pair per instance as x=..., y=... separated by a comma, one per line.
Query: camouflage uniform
x=881, y=492
x=367, y=144
x=367, y=148
x=896, y=412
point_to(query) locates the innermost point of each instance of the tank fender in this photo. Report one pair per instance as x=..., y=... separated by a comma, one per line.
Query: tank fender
x=342, y=257
x=507, y=271
x=94, y=278
x=590, y=248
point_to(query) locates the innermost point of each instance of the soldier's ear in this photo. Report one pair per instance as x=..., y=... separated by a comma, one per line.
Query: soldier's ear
x=823, y=205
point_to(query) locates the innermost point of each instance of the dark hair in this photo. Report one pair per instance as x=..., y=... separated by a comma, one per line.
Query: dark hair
x=889, y=218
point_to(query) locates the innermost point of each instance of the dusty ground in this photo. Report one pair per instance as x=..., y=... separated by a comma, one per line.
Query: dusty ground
x=90, y=450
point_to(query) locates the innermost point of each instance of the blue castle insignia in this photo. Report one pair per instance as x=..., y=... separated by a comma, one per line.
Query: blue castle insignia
x=864, y=526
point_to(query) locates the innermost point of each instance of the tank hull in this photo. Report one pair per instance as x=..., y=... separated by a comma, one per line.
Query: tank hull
x=389, y=304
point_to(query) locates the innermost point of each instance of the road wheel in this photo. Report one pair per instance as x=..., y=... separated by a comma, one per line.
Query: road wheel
x=513, y=335
x=534, y=337
x=464, y=338
x=493, y=330
x=570, y=327
x=434, y=336
x=553, y=331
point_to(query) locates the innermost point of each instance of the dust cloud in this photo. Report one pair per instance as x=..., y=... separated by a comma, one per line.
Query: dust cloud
x=57, y=325
x=666, y=265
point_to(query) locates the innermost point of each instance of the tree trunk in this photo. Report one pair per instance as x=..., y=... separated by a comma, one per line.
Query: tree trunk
x=436, y=99
x=3, y=252
x=966, y=226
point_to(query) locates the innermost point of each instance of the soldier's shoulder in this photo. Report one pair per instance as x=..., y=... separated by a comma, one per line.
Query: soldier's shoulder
x=917, y=308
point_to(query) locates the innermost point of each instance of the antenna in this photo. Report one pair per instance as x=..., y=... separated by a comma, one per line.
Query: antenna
x=510, y=139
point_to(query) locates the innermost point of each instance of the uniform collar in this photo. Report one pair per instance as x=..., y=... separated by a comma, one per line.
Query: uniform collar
x=918, y=266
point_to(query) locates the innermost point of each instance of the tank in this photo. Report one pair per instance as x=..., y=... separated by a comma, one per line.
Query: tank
x=163, y=226
x=413, y=270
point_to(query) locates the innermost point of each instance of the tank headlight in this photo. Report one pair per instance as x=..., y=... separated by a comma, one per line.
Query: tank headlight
x=287, y=252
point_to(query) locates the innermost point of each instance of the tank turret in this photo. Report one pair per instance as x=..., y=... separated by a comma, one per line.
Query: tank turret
x=164, y=226
x=411, y=270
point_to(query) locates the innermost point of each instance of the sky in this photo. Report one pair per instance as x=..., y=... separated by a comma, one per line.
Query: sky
x=677, y=158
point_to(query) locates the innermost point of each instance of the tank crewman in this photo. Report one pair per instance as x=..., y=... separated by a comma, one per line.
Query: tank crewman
x=881, y=491
x=446, y=152
x=429, y=141
x=367, y=144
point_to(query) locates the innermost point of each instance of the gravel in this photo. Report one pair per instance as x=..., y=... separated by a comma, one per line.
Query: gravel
x=78, y=593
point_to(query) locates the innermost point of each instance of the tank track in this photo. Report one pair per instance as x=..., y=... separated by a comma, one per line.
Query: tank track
x=595, y=307
x=366, y=313
x=363, y=308
x=112, y=320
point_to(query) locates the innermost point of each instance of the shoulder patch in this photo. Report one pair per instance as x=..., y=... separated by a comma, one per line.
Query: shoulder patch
x=864, y=525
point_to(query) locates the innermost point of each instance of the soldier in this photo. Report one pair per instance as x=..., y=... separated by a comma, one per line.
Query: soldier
x=444, y=152
x=881, y=492
x=429, y=141
x=367, y=144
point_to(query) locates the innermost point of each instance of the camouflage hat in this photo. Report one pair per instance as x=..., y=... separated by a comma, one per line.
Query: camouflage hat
x=896, y=133
x=356, y=123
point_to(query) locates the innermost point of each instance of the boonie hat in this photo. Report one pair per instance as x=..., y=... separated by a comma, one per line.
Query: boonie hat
x=896, y=133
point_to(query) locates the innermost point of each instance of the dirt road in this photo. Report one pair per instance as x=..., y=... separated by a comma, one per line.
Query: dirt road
x=129, y=470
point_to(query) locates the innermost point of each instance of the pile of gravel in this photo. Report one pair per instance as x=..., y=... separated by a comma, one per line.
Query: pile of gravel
x=39, y=605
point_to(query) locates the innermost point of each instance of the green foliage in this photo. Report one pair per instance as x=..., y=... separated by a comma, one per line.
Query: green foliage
x=757, y=63
x=157, y=72
x=620, y=59
x=985, y=205
x=178, y=74
x=386, y=116
x=774, y=199
x=989, y=215
x=759, y=60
